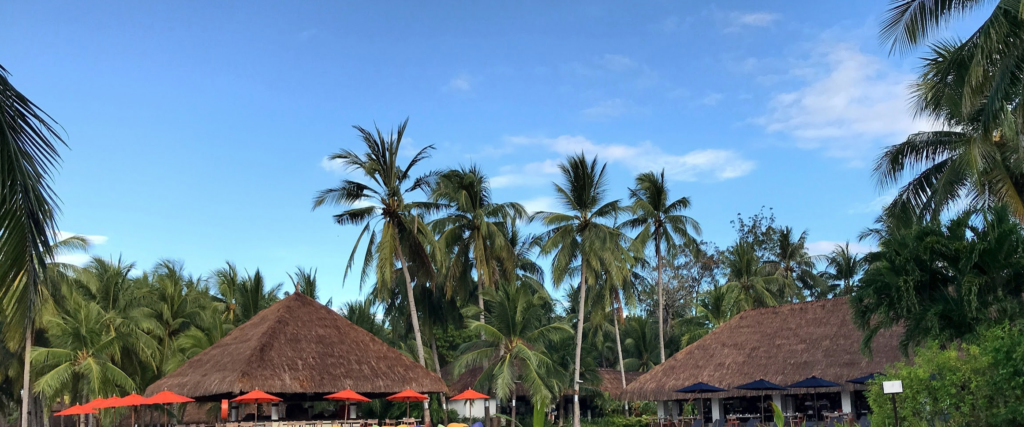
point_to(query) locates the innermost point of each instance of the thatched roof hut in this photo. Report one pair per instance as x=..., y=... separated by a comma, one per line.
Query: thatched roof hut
x=298, y=347
x=611, y=381
x=782, y=344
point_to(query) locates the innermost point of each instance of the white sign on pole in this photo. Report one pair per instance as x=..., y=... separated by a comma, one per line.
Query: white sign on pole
x=892, y=387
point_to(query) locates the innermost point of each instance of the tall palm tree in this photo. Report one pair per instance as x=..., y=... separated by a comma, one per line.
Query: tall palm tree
x=304, y=281
x=581, y=236
x=640, y=343
x=254, y=295
x=843, y=266
x=754, y=285
x=794, y=266
x=470, y=228
x=391, y=223
x=717, y=305
x=512, y=348
x=228, y=281
x=180, y=306
x=28, y=208
x=661, y=222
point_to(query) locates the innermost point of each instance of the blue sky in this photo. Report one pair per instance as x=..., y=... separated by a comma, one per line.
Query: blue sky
x=198, y=130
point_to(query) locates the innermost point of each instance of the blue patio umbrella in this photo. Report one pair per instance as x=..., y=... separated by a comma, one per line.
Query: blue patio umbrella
x=864, y=379
x=700, y=388
x=814, y=383
x=761, y=385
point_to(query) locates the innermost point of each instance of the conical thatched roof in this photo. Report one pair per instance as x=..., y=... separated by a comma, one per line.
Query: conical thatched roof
x=782, y=344
x=298, y=346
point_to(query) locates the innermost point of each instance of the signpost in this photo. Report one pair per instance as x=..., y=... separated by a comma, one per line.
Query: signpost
x=892, y=388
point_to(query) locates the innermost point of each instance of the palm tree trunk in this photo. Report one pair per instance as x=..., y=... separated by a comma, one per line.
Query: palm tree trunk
x=618, y=346
x=437, y=368
x=480, y=300
x=415, y=323
x=579, y=348
x=26, y=393
x=661, y=302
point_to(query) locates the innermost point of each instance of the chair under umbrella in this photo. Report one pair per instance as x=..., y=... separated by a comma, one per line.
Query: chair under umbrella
x=256, y=397
x=700, y=387
x=347, y=395
x=814, y=383
x=407, y=396
x=469, y=396
x=77, y=410
x=165, y=398
x=761, y=385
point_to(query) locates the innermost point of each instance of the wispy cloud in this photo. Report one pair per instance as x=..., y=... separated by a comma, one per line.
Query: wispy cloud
x=753, y=19
x=670, y=24
x=540, y=204
x=696, y=165
x=531, y=174
x=712, y=99
x=334, y=166
x=824, y=247
x=846, y=103
x=875, y=206
x=609, y=109
x=460, y=83
x=617, y=62
x=79, y=259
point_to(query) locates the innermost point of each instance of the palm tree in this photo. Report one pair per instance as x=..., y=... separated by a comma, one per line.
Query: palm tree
x=28, y=208
x=661, y=222
x=228, y=281
x=305, y=283
x=794, y=266
x=400, y=231
x=180, y=305
x=843, y=266
x=470, y=228
x=640, y=343
x=581, y=236
x=717, y=305
x=512, y=348
x=254, y=296
x=754, y=285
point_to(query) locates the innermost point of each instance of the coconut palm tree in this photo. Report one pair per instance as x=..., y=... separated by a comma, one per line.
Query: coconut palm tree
x=843, y=266
x=253, y=296
x=227, y=281
x=794, y=266
x=661, y=223
x=180, y=304
x=753, y=283
x=391, y=224
x=470, y=228
x=512, y=351
x=304, y=282
x=717, y=305
x=641, y=343
x=581, y=236
x=28, y=208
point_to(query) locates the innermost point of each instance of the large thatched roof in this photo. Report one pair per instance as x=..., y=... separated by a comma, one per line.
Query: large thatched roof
x=298, y=346
x=611, y=380
x=783, y=344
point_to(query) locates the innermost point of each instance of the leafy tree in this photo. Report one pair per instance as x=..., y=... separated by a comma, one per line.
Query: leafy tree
x=759, y=231
x=581, y=236
x=718, y=305
x=400, y=228
x=842, y=268
x=641, y=344
x=943, y=282
x=662, y=222
x=794, y=266
x=512, y=350
x=754, y=285
x=28, y=208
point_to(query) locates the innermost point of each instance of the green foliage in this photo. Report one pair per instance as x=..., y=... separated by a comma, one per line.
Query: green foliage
x=617, y=421
x=943, y=282
x=964, y=385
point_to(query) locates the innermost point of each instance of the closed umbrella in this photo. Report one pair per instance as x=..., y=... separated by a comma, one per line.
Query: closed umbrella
x=165, y=398
x=814, y=383
x=469, y=396
x=407, y=396
x=761, y=385
x=696, y=388
x=256, y=397
x=347, y=396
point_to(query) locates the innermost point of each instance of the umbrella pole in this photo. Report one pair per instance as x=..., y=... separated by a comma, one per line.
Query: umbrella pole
x=815, y=394
x=762, y=407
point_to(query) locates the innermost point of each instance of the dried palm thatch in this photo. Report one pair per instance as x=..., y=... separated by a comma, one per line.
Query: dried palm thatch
x=298, y=346
x=611, y=381
x=782, y=344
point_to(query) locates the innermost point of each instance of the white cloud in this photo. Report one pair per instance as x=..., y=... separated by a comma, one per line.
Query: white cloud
x=823, y=247
x=874, y=206
x=712, y=99
x=617, y=62
x=540, y=204
x=697, y=165
x=670, y=24
x=460, y=83
x=847, y=102
x=74, y=259
x=609, y=109
x=752, y=19
x=329, y=165
x=93, y=239
x=531, y=174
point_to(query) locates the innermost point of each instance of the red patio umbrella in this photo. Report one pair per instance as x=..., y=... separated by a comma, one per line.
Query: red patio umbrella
x=256, y=397
x=164, y=398
x=469, y=396
x=347, y=395
x=133, y=400
x=407, y=396
x=77, y=410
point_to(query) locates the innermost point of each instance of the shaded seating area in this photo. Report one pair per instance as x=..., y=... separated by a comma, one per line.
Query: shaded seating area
x=810, y=350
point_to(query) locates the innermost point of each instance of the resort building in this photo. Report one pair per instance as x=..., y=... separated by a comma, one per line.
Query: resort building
x=782, y=345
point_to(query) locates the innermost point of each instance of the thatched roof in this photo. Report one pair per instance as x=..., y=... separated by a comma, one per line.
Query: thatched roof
x=611, y=380
x=782, y=344
x=298, y=346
